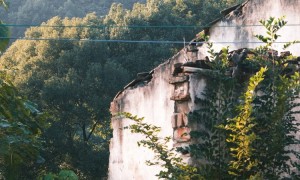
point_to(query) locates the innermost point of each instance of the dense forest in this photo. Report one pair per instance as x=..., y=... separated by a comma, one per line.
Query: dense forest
x=56, y=86
x=28, y=12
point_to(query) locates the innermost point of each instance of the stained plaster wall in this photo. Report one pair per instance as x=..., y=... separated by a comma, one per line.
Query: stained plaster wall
x=237, y=29
x=151, y=101
x=161, y=103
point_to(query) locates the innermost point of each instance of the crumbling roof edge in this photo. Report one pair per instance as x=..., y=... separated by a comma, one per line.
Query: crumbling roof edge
x=150, y=72
x=227, y=11
x=230, y=9
x=224, y=13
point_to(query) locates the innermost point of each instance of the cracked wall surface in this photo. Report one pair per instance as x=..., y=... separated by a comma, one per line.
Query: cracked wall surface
x=238, y=28
x=165, y=95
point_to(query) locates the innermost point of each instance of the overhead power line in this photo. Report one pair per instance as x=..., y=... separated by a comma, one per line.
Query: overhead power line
x=134, y=26
x=95, y=40
x=135, y=41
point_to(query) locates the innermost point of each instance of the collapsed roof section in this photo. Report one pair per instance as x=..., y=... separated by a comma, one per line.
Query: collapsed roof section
x=238, y=65
x=144, y=78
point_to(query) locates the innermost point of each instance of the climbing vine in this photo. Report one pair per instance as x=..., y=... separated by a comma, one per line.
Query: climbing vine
x=216, y=104
x=172, y=165
x=242, y=135
x=247, y=116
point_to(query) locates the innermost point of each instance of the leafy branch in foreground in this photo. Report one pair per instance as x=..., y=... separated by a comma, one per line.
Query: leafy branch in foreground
x=62, y=175
x=241, y=134
x=19, y=122
x=272, y=25
x=172, y=165
x=19, y=130
x=260, y=132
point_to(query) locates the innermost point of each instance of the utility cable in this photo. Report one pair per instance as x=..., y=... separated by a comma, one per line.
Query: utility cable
x=137, y=41
x=134, y=26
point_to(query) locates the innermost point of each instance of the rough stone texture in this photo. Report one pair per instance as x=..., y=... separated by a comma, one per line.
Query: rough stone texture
x=182, y=107
x=185, y=120
x=197, y=70
x=181, y=92
x=178, y=79
x=151, y=99
x=182, y=134
x=193, y=55
x=177, y=120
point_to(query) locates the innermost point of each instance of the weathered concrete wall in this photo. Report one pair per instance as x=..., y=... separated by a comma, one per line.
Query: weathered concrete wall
x=151, y=101
x=166, y=99
x=241, y=32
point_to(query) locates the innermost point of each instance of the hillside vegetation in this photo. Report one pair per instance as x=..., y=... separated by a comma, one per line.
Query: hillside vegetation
x=26, y=12
x=73, y=82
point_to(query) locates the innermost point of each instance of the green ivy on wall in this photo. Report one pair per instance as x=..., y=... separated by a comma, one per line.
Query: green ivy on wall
x=247, y=125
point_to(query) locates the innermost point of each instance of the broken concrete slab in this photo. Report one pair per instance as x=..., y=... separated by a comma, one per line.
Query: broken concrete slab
x=197, y=70
x=182, y=134
x=181, y=92
x=178, y=79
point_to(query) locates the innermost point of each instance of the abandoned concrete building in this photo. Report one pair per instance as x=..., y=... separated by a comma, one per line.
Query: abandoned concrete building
x=164, y=97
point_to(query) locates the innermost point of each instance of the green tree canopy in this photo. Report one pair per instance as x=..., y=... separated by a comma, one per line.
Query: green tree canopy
x=38, y=11
x=20, y=125
x=75, y=81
